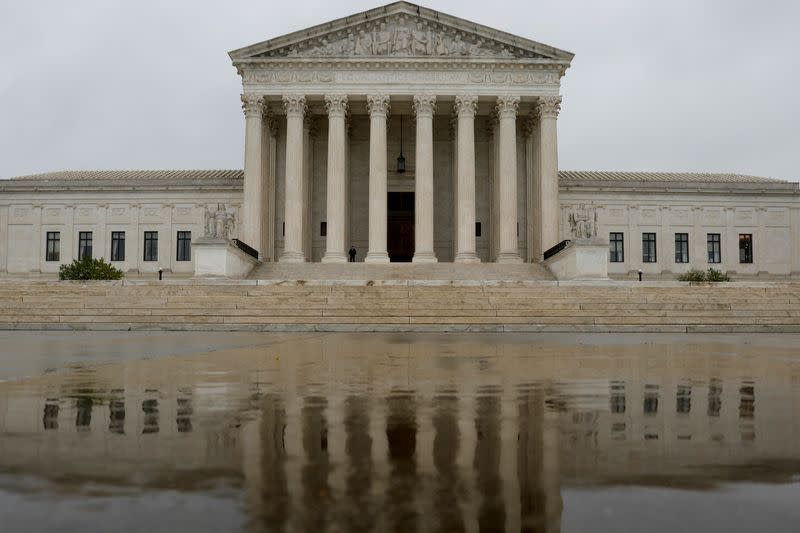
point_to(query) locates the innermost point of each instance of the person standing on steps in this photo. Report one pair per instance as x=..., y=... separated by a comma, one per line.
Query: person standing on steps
x=352, y=253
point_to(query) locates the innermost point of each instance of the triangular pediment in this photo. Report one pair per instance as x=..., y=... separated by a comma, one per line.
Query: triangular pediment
x=401, y=30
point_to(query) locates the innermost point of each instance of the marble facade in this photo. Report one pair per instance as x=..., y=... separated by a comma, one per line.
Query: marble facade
x=327, y=113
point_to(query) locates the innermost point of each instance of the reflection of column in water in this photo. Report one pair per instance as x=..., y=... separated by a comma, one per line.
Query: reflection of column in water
x=401, y=434
x=50, y=416
x=492, y=513
x=358, y=508
x=445, y=451
x=274, y=501
x=150, y=410
x=83, y=418
x=509, y=438
x=316, y=492
x=116, y=412
x=537, y=463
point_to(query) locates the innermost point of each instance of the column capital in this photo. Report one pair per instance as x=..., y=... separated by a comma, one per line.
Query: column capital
x=336, y=104
x=270, y=121
x=466, y=105
x=378, y=104
x=295, y=104
x=548, y=106
x=424, y=105
x=252, y=104
x=530, y=124
x=507, y=106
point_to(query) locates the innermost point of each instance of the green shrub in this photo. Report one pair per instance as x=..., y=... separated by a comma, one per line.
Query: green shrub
x=716, y=276
x=89, y=268
x=698, y=276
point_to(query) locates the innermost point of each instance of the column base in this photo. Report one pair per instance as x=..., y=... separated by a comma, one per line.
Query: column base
x=292, y=257
x=377, y=257
x=334, y=257
x=509, y=258
x=424, y=257
x=467, y=258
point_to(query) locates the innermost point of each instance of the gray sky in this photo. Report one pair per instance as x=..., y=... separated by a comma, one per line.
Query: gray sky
x=689, y=85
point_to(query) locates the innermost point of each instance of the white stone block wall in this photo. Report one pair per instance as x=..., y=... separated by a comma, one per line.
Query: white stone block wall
x=25, y=220
x=772, y=220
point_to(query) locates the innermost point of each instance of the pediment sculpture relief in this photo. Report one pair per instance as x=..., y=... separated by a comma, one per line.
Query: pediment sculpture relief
x=583, y=222
x=401, y=37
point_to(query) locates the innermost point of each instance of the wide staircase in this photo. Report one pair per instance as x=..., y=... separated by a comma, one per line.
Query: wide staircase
x=401, y=271
x=404, y=305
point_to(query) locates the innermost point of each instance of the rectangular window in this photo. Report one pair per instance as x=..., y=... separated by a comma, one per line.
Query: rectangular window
x=84, y=244
x=118, y=246
x=477, y=229
x=323, y=229
x=151, y=246
x=616, y=247
x=714, y=248
x=53, y=251
x=745, y=248
x=681, y=247
x=184, y=248
x=648, y=247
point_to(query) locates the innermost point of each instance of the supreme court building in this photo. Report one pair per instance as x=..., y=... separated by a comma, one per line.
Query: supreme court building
x=411, y=136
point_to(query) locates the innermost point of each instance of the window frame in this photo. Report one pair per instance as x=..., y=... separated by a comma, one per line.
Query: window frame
x=616, y=247
x=53, y=254
x=714, y=246
x=649, y=237
x=118, y=238
x=682, y=248
x=150, y=246
x=183, y=245
x=85, y=242
x=748, y=249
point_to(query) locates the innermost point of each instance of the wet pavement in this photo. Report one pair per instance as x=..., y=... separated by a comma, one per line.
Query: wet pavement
x=398, y=432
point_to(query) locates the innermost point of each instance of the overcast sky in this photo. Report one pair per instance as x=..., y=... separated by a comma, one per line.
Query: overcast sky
x=689, y=85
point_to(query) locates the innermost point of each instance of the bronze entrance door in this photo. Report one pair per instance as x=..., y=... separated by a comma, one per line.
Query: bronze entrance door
x=400, y=235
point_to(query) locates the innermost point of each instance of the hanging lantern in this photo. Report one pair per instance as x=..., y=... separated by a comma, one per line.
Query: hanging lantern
x=401, y=160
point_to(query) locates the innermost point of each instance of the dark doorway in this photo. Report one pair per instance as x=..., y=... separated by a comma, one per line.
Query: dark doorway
x=401, y=227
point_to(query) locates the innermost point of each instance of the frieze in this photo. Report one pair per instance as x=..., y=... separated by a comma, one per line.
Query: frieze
x=402, y=36
x=401, y=76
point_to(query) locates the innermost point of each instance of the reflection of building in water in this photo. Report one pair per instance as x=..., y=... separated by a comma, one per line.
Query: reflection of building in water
x=405, y=440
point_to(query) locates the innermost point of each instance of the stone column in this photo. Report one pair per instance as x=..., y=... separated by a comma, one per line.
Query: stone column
x=293, y=213
x=424, y=107
x=378, y=107
x=548, y=109
x=253, y=205
x=466, y=107
x=507, y=114
x=336, y=212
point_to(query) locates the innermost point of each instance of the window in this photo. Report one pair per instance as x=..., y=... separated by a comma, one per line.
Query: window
x=118, y=246
x=714, y=248
x=477, y=229
x=184, y=248
x=323, y=229
x=151, y=246
x=53, y=252
x=745, y=248
x=684, y=399
x=617, y=247
x=681, y=247
x=648, y=247
x=283, y=229
x=84, y=244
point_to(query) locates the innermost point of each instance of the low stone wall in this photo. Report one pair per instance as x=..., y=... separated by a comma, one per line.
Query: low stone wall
x=399, y=305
